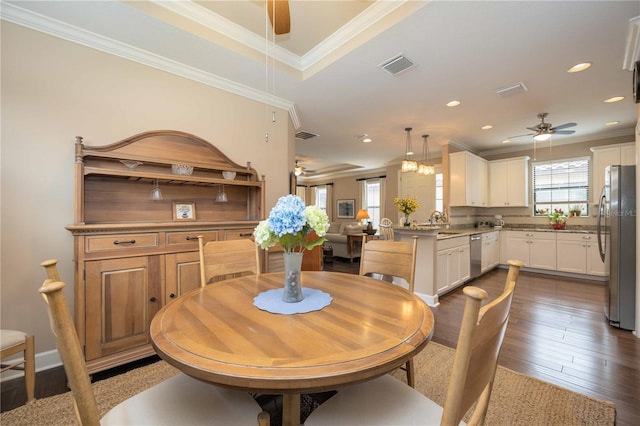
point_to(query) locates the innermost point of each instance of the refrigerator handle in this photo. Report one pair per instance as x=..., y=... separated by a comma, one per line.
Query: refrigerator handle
x=601, y=243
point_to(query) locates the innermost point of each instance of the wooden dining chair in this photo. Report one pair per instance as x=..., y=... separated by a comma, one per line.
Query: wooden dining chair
x=396, y=259
x=386, y=400
x=13, y=342
x=221, y=260
x=178, y=400
x=386, y=229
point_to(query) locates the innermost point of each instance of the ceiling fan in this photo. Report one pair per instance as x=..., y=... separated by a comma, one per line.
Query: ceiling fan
x=544, y=130
x=279, y=16
x=299, y=170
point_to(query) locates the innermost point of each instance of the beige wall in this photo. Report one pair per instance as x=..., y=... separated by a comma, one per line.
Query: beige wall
x=53, y=90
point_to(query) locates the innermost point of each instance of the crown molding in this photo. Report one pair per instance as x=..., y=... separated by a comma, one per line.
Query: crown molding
x=35, y=21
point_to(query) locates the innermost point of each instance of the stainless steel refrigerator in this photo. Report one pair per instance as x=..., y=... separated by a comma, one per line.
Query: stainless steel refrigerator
x=617, y=219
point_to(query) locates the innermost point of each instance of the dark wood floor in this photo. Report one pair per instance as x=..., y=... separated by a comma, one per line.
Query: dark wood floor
x=557, y=333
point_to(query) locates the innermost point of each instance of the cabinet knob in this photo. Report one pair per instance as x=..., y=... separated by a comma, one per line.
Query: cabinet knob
x=172, y=295
x=153, y=299
x=116, y=242
x=189, y=238
x=246, y=234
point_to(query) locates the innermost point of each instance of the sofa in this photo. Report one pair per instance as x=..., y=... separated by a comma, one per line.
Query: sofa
x=337, y=238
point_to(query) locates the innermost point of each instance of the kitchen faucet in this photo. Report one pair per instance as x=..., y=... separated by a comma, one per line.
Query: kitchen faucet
x=438, y=216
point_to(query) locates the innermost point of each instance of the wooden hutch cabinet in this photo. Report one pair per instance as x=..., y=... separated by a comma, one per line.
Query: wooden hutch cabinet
x=134, y=254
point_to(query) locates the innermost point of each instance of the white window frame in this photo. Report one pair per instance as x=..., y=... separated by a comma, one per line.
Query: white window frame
x=556, y=177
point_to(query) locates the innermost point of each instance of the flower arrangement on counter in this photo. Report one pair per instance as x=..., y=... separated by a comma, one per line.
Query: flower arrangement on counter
x=289, y=223
x=406, y=205
x=558, y=219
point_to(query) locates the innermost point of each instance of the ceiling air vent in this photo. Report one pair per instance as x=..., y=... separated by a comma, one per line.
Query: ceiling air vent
x=396, y=65
x=512, y=89
x=305, y=135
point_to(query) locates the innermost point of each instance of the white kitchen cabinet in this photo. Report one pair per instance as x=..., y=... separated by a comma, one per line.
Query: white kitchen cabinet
x=453, y=263
x=509, y=182
x=537, y=249
x=468, y=180
x=603, y=156
x=490, y=257
x=578, y=253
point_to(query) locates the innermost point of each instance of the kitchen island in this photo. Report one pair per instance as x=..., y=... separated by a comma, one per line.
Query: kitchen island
x=425, y=278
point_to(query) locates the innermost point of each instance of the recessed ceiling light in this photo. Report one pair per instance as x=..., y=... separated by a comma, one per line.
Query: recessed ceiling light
x=614, y=99
x=487, y=127
x=611, y=123
x=453, y=103
x=506, y=141
x=579, y=67
x=367, y=140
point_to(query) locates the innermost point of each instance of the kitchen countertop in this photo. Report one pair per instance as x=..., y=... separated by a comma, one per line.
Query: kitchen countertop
x=444, y=233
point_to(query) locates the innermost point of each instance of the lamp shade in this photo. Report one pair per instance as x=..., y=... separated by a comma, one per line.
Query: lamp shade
x=362, y=214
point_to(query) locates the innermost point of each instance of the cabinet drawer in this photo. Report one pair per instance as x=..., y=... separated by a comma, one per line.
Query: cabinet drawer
x=189, y=239
x=237, y=234
x=103, y=243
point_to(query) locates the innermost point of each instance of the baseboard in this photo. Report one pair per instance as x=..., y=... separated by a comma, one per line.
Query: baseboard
x=44, y=361
x=431, y=300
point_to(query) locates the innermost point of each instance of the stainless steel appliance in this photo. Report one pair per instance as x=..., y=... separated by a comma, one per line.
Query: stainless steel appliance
x=617, y=220
x=475, y=242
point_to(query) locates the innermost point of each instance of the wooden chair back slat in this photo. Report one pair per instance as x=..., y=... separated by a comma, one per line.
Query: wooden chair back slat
x=225, y=259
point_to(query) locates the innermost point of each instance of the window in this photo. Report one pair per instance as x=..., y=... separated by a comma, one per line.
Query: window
x=561, y=185
x=439, y=193
x=372, y=201
x=321, y=198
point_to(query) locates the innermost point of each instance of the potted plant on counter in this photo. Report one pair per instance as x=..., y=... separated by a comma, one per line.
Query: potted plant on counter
x=406, y=205
x=558, y=219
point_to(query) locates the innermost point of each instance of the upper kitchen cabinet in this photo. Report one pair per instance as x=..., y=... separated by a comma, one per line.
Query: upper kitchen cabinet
x=603, y=156
x=468, y=180
x=509, y=182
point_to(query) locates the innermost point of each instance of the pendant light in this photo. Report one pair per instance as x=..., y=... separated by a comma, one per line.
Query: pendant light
x=425, y=168
x=408, y=165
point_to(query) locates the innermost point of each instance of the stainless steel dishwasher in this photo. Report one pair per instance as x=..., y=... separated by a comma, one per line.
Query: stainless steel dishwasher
x=475, y=241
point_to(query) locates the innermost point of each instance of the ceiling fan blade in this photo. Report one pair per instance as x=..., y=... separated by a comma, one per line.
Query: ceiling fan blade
x=279, y=16
x=564, y=132
x=533, y=129
x=564, y=126
x=519, y=136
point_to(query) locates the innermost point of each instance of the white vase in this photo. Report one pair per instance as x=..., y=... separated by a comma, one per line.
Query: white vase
x=292, y=269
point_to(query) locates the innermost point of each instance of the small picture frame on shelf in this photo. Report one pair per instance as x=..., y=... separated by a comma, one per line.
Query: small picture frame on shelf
x=346, y=209
x=184, y=211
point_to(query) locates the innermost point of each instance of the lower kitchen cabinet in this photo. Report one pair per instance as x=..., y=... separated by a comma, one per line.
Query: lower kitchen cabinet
x=578, y=253
x=535, y=249
x=453, y=263
x=490, y=257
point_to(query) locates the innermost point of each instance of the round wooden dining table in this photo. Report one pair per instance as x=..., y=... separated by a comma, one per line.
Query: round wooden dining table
x=216, y=334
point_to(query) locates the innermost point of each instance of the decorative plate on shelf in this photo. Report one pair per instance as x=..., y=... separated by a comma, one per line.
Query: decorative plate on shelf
x=182, y=169
x=131, y=164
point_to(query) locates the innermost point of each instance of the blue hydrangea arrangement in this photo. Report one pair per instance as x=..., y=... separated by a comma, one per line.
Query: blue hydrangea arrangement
x=289, y=223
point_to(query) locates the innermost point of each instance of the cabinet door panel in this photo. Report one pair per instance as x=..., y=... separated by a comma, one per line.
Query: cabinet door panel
x=183, y=274
x=572, y=256
x=542, y=253
x=442, y=271
x=464, y=263
x=122, y=295
x=518, y=249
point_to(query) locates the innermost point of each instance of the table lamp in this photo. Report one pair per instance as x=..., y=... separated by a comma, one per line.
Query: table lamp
x=362, y=215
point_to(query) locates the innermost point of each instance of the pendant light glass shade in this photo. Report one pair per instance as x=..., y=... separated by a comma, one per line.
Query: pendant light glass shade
x=425, y=168
x=408, y=165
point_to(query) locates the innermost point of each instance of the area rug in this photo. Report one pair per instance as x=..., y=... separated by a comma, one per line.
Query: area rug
x=516, y=398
